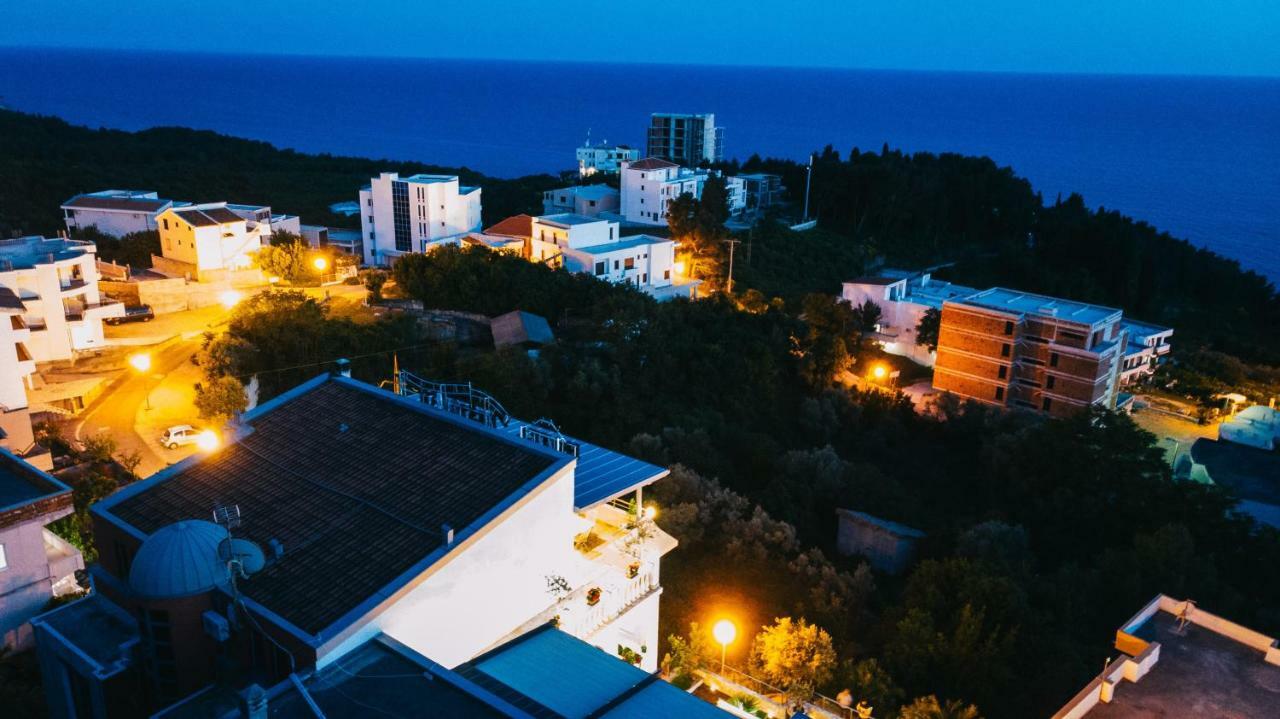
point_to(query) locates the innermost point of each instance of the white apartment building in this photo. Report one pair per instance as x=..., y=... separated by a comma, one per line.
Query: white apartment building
x=588, y=200
x=56, y=283
x=16, y=367
x=202, y=239
x=595, y=247
x=649, y=185
x=260, y=219
x=604, y=158
x=411, y=214
x=115, y=212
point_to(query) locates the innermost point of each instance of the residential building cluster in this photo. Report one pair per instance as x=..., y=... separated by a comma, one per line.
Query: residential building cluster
x=1010, y=348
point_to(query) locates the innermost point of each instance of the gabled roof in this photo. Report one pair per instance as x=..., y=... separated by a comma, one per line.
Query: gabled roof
x=355, y=482
x=517, y=328
x=651, y=163
x=207, y=217
x=515, y=226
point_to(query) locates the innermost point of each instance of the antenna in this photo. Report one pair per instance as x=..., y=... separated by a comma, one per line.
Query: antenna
x=226, y=516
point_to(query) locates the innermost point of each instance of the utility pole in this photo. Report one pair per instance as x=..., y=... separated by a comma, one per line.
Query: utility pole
x=808, y=180
x=732, y=244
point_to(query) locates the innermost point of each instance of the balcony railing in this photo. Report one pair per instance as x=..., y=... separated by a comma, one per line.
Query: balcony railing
x=732, y=681
x=582, y=620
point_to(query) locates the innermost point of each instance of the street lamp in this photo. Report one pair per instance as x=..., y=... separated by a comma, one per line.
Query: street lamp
x=724, y=632
x=207, y=441
x=141, y=362
x=229, y=298
x=879, y=372
x=320, y=263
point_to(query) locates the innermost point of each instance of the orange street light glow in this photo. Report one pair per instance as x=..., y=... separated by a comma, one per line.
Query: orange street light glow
x=207, y=441
x=320, y=263
x=878, y=372
x=140, y=361
x=229, y=298
x=725, y=632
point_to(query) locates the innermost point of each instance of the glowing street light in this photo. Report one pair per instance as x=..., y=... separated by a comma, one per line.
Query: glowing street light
x=320, y=263
x=207, y=441
x=229, y=298
x=879, y=372
x=724, y=631
x=141, y=363
x=650, y=512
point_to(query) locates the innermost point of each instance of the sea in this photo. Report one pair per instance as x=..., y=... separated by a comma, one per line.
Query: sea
x=1198, y=157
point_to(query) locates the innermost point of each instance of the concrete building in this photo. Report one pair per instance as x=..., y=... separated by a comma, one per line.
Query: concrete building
x=604, y=158
x=16, y=367
x=472, y=530
x=595, y=247
x=35, y=564
x=260, y=219
x=649, y=186
x=588, y=200
x=761, y=191
x=888, y=546
x=1012, y=348
x=689, y=140
x=115, y=212
x=1177, y=660
x=56, y=283
x=415, y=213
x=202, y=240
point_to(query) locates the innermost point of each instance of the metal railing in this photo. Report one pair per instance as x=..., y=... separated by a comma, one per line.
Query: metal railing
x=582, y=620
x=818, y=703
x=457, y=398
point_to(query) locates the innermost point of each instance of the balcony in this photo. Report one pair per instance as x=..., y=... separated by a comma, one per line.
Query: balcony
x=95, y=311
x=64, y=561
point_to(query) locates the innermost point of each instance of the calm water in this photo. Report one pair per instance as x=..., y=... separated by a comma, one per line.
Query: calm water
x=1199, y=157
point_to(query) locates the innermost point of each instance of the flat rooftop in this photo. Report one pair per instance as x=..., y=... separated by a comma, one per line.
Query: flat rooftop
x=22, y=484
x=626, y=243
x=1027, y=303
x=27, y=252
x=1200, y=673
x=568, y=219
x=426, y=178
x=590, y=192
x=122, y=200
x=99, y=629
x=354, y=481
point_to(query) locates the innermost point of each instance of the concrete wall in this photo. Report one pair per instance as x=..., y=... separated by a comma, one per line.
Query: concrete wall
x=114, y=223
x=26, y=583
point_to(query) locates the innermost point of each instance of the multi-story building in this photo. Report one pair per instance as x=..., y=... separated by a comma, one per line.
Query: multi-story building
x=594, y=246
x=350, y=517
x=588, y=200
x=202, y=240
x=412, y=214
x=604, y=158
x=649, y=185
x=115, y=212
x=16, y=367
x=35, y=564
x=55, y=282
x=1174, y=659
x=689, y=140
x=761, y=191
x=260, y=219
x=1060, y=354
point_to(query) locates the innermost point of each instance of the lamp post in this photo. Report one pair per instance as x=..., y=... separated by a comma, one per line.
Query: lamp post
x=141, y=363
x=724, y=632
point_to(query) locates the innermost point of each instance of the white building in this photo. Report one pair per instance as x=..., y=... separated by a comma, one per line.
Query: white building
x=588, y=200
x=903, y=297
x=202, y=239
x=260, y=219
x=604, y=158
x=56, y=283
x=411, y=214
x=16, y=367
x=1147, y=349
x=649, y=185
x=595, y=247
x=115, y=212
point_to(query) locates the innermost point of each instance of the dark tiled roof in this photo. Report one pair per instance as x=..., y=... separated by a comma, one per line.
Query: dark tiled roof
x=209, y=216
x=128, y=204
x=651, y=163
x=354, y=482
x=517, y=226
x=518, y=327
x=222, y=214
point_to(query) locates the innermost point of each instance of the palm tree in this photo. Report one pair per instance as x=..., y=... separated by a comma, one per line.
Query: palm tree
x=930, y=708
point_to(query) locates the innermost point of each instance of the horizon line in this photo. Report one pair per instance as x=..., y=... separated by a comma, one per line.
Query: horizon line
x=548, y=61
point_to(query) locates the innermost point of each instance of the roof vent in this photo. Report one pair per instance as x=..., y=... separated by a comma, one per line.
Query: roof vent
x=342, y=368
x=446, y=534
x=277, y=548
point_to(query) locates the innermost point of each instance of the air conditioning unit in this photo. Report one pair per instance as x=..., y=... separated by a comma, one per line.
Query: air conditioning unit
x=216, y=626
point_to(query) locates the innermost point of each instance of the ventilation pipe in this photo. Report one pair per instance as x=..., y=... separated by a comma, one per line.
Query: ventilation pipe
x=446, y=534
x=342, y=368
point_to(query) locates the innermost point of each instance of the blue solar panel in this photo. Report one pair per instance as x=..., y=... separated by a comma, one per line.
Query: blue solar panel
x=602, y=474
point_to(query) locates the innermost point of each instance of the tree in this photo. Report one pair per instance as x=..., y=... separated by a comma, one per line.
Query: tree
x=689, y=655
x=714, y=204
x=930, y=708
x=98, y=448
x=221, y=398
x=866, y=316
x=793, y=655
x=284, y=258
x=927, y=329
x=374, y=281
x=828, y=342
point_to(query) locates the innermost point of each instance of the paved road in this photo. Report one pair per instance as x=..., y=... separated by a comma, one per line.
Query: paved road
x=117, y=409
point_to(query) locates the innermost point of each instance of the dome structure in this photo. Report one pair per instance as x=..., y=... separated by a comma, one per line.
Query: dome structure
x=179, y=560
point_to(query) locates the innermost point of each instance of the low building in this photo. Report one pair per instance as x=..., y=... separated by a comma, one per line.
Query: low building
x=428, y=516
x=588, y=200
x=761, y=191
x=1147, y=349
x=520, y=329
x=349, y=242
x=412, y=214
x=115, y=212
x=36, y=565
x=1175, y=660
x=649, y=186
x=55, y=283
x=903, y=298
x=604, y=158
x=888, y=546
x=595, y=247
x=202, y=241
x=512, y=236
x=260, y=219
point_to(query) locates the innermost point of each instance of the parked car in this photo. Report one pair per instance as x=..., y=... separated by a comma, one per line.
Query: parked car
x=179, y=435
x=141, y=313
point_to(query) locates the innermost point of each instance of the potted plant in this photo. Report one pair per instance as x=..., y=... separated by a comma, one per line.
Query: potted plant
x=593, y=596
x=633, y=570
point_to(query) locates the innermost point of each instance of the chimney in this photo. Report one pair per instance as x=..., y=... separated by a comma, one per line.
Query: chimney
x=342, y=368
x=253, y=702
x=446, y=533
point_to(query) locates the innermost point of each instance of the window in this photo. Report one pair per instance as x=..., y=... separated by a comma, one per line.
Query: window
x=615, y=264
x=666, y=274
x=999, y=394
x=1004, y=350
x=166, y=223
x=1002, y=372
x=611, y=233
x=1008, y=328
x=371, y=219
x=642, y=200
x=629, y=263
x=369, y=202
x=1053, y=359
x=1046, y=404
x=601, y=268
x=644, y=277
x=591, y=203
x=1048, y=381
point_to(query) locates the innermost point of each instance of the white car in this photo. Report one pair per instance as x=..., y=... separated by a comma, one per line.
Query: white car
x=179, y=435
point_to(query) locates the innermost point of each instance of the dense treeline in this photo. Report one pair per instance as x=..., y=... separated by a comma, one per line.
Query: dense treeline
x=44, y=161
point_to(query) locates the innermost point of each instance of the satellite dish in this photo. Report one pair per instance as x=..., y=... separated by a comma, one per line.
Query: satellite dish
x=244, y=552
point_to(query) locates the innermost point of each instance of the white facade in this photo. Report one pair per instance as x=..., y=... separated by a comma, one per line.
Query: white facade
x=595, y=247
x=260, y=219
x=588, y=200
x=604, y=158
x=649, y=186
x=1148, y=347
x=115, y=212
x=57, y=283
x=208, y=237
x=903, y=298
x=411, y=214
x=16, y=367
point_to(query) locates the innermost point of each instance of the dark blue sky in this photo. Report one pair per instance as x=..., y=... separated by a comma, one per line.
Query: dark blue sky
x=1230, y=37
